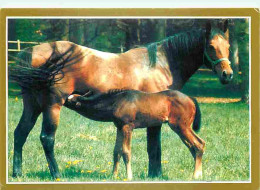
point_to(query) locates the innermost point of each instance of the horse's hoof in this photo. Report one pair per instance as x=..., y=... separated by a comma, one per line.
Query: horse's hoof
x=197, y=175
x=15, y=175
x=129, y=178
x=56, y=176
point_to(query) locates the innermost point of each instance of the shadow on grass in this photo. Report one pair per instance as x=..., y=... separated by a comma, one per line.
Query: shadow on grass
x=42, y=175
x=71, y=174
x=207, y=84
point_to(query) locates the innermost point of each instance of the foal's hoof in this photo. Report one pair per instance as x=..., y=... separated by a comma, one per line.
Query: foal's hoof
x=197, y=175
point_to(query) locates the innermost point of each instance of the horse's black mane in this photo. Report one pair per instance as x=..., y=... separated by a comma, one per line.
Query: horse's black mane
x=180, y=45
x=177, y=46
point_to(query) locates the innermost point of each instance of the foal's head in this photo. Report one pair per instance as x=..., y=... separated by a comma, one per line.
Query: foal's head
x=216, y=52
x=72, y=101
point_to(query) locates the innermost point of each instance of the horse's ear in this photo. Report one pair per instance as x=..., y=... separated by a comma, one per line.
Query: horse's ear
x=225, y=29
x=208, y=29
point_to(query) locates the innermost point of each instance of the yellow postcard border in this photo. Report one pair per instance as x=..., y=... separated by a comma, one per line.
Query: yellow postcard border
x=161, y=12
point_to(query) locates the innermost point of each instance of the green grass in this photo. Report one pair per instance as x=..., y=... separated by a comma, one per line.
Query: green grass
x=225, y=128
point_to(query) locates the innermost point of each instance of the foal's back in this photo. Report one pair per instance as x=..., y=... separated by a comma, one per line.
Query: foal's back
x=149, y=109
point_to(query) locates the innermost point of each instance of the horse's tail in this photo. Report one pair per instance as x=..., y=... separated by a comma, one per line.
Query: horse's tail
x=43, y=77
x=197, y=120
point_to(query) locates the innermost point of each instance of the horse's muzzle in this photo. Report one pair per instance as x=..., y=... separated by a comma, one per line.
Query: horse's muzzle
x=226, y=77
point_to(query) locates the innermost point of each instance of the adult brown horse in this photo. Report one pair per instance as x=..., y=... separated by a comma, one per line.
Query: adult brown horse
x=49, y=72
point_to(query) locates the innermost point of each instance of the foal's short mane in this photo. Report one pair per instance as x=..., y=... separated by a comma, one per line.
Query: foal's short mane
x=110, y=94
x=117, y=91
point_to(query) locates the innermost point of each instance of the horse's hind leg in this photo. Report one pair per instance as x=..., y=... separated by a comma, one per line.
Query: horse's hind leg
x=30, y=114
x=195, y=144
x=51, y=115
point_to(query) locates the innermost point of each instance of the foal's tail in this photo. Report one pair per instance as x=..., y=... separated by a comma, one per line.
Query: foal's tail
x=197, y=120
x=45, y=76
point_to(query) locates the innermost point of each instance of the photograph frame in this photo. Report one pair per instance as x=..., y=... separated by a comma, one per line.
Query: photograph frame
x=157, y=13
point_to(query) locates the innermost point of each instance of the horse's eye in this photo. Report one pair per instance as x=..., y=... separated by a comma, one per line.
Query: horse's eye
x=211, y=48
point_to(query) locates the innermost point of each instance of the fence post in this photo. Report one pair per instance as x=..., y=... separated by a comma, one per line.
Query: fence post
x=122, y=48
x=18, y=45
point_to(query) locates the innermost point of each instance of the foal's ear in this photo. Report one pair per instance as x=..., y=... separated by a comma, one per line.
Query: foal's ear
x=78, y=104
x=208, y=29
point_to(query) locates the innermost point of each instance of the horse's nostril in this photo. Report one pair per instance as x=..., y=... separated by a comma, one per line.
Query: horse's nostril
x=224, y=74
x=231, y=75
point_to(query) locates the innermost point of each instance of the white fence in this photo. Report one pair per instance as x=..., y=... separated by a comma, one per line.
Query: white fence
x=19, y=48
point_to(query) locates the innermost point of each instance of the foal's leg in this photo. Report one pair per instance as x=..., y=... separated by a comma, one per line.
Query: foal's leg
x=31, y=111
x=123, y=147
x=127, y=133
x=51, y=117
x=117, y=151
x=196, y=146
x=154, y=151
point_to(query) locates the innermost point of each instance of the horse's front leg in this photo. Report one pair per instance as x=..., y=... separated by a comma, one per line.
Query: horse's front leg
x=51, y=117
x=154, y=151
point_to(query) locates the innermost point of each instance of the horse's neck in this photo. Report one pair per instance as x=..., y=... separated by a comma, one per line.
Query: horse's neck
x=191, y=64
x=182, y=68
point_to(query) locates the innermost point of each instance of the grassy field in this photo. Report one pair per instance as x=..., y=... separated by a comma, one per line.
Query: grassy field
x=84, y=148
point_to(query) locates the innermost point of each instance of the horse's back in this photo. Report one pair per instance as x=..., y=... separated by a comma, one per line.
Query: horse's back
x=42, y=52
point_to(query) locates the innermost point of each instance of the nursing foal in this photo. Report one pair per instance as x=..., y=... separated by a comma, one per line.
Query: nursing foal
x=130, y=109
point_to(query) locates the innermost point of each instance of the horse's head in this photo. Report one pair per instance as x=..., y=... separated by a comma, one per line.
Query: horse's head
x=216, y=52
